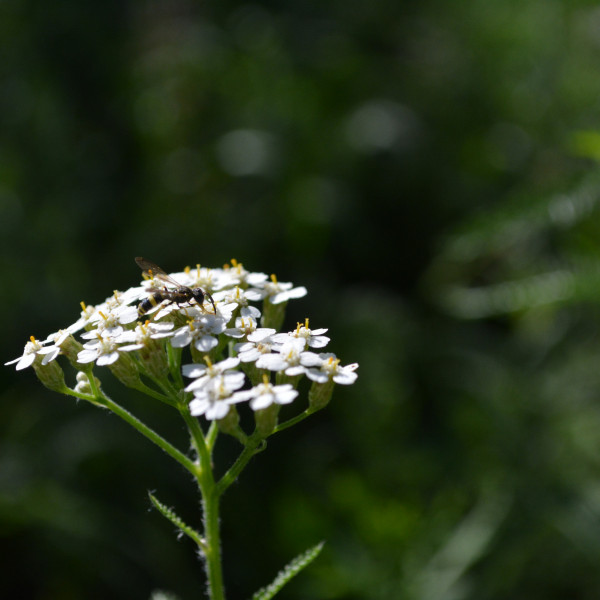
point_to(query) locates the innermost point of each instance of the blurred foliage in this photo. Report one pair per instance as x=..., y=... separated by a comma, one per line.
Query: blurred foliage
x=429, y=171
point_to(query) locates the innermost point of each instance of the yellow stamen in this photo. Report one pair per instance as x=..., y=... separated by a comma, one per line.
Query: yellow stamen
x=273, y=278
x=234, y=263
x=207, y=361
x=266, y=379
x=198, y=270
x=306, y=323
x=298, y=325
x=187, y=270
x=32, y=339
x=103, y=315
x=83, y=306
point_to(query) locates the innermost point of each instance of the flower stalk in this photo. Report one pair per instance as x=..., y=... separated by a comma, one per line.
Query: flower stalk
x=208, y=317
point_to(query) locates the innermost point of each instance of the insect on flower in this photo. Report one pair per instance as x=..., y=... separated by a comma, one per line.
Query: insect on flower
x=180, y=295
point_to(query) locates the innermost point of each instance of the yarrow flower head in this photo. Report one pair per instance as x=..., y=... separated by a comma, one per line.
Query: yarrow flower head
x=229, y=328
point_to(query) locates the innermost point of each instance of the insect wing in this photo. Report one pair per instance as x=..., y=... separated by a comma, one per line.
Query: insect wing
x=152, y=270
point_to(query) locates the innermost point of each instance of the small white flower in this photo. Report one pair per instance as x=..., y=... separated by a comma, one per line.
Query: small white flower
x=265, y=394
x=330, y=369
x=278, y=292
x=237, y=275
x=102, y=350
x=107, y=324
x=201, y=332
x=290, y=358
x=86, y=315
x=119, y=303
x=314, y=337
x=32, y=349
x=244, y=326
x=214, y=400
x=259, y=342
x=238, y=298
x=138, y=338
x=52, y=351
x=205, y=375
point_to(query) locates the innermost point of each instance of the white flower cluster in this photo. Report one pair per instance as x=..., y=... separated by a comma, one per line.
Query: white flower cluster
x=113, y=329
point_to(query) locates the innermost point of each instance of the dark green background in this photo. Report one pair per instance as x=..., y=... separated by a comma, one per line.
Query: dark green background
x=428, y=171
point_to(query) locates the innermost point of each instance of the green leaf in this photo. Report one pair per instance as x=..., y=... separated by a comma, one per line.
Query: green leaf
x=289, y=571
x=170, y=514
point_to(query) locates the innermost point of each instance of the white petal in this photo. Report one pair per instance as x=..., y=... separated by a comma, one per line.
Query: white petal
x=241, y=396
x=310, y=359
x=198, y=406
x=25, y=361
x=249, y=355
x=51, y=354
x=235, y=333
x=87, y=356
x=197, y=384
x=206, y=343
x=193, y=370
x=217, y=411
x=228, y=363
x=234, y=381
x=345, y=378
x=274, y=362
x=260, y=334
x=131, y=347
x=182, y=338
x=250, y=311
x=286, y=396
x=108, y=359
x=317, y=375
x=319, y=341
x=128, y=314
x=262, y=401
x=295, y=370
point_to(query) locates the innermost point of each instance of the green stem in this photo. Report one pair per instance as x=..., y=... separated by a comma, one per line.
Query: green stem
x=214, y=572
x=254, y=445
x=181, y=458
x=144, y=389
x=101, y=399
x=211, y=436
x=198, y=439
x=303, y=415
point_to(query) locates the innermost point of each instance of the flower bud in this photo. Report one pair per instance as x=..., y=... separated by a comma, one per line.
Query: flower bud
x=70, y=347
x=319, y=394
x=266, y=419
x=83, y=383
x=155, y=360
x=230, y=422
x=126, y=371
x=50, y=374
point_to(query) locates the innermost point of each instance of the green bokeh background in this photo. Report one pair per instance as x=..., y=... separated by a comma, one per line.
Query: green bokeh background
x=428, y=170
